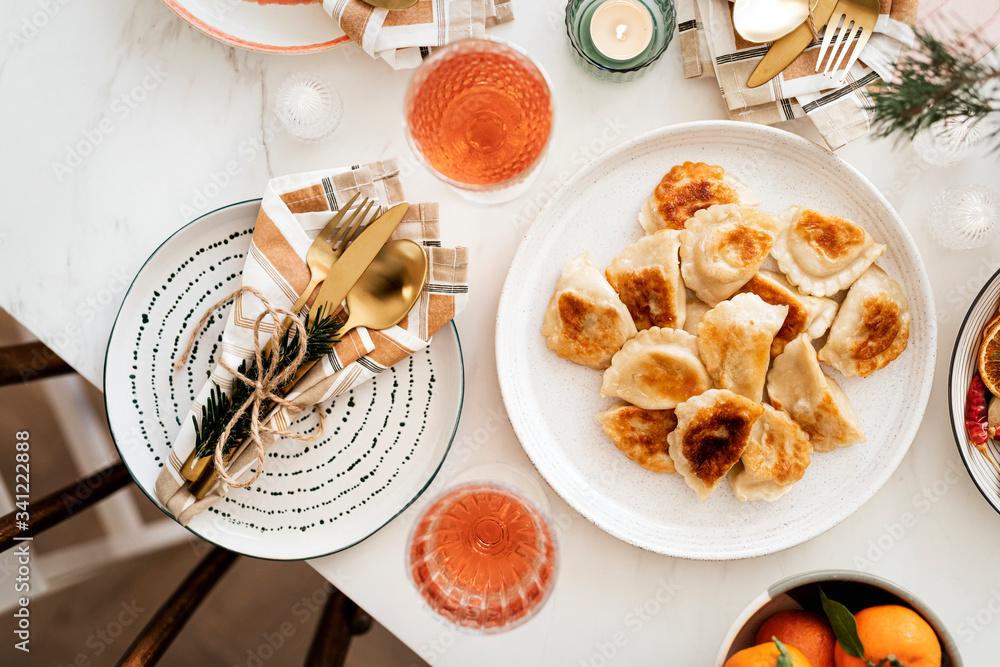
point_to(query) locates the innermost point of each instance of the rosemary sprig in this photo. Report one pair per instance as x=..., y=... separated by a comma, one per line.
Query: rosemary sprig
x=938, y=81
x=322, y=333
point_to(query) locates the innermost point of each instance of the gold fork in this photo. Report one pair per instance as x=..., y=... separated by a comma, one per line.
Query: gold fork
x=856, y=19
x=329, y=245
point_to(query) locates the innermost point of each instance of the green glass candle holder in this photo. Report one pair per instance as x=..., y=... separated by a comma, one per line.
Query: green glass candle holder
x=578, y=17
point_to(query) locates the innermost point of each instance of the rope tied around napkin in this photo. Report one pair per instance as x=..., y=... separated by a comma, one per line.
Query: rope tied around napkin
x=271, y=379
x=293, y=210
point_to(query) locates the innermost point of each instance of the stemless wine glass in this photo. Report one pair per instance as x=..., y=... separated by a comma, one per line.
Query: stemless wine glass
x=482, y=556
x=478, y=114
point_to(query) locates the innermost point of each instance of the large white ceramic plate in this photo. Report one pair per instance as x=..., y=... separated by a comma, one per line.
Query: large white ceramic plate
x=552, y=402
x=964, y=364
x=269, y=28
x=385, y=439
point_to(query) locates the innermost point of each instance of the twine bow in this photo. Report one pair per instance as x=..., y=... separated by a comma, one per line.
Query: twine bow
x=266, y=389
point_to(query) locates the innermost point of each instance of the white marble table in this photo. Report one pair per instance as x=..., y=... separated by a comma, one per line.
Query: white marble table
x=156, y=114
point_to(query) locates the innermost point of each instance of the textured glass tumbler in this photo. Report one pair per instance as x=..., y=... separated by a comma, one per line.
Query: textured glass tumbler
x=578, y=17
x=951, y=140
x=482, y=557
x=965, y=217
x=308, y=107
x=478, y=114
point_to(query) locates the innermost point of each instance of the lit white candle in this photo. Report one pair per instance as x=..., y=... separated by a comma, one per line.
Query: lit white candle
x=621, y=29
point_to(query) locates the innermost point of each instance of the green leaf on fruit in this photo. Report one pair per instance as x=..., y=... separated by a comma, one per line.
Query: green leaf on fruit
x=844, y=626
x=785, y=659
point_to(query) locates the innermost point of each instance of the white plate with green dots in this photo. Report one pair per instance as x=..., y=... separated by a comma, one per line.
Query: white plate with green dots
x=384, y=440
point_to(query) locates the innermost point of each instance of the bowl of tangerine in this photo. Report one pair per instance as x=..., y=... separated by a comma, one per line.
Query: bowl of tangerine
x=837, y=618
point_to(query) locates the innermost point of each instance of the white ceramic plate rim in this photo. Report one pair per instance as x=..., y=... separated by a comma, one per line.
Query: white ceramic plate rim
x=594, y=506
x=193, y=530
x=956, y=412
x=226, y=33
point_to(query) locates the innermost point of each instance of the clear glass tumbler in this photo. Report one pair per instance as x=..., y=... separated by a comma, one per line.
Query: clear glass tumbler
x=478, y=114
x=966, y=217
x=308, y=107
x=482, y=556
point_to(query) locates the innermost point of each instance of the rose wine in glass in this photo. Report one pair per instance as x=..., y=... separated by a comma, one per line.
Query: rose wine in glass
x=479, y=114
x=482, y=557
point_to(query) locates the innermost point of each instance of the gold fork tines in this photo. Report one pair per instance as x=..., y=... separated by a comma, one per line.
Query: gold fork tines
x=329, y=245
x=850, y=26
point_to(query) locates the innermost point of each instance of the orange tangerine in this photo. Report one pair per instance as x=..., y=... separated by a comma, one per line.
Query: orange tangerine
x=893, y=630
x=766, y=655
x=807, y=631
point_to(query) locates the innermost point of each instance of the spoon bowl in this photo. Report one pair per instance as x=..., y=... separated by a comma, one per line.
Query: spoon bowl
x=388, y=288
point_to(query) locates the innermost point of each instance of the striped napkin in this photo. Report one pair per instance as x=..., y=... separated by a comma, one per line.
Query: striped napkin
x=293, y=211
x=841, y=113
x=404, y=37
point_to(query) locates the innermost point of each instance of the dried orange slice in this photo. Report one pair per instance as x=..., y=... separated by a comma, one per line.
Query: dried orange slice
x=989, y=358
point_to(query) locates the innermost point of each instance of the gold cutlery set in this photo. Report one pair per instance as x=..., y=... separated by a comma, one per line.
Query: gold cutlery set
x=380, y=279
x=845, y=20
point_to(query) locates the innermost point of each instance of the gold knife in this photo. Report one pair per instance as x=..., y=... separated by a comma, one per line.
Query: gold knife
x=341, y=277
x=783, y=51
x=347, y=270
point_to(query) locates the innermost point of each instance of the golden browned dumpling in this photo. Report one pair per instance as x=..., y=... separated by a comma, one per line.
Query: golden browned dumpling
x=656, y=370
x=647, y=277
x=641, y=434
x=586, y=322
x=734, y=342
x=806, y=314
x=723, y=247
x=688, y=188
x=822, y=254
x=797, y=385
x=712, y=432
x=776, y=457
x=872, y=327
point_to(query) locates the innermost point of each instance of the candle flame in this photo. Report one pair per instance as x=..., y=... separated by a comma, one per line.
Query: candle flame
x=620, y=31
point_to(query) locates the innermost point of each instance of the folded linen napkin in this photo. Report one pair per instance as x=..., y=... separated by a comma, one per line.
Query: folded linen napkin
x=293, y=210
x=404, y=37
x=841, y=113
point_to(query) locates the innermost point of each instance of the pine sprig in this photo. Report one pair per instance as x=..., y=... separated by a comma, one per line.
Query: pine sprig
x=937, y=82
x=322, y=333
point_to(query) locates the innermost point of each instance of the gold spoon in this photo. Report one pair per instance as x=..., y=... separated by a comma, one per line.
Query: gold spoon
x=389, y=288
x=382, y=297
x=391, y=4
